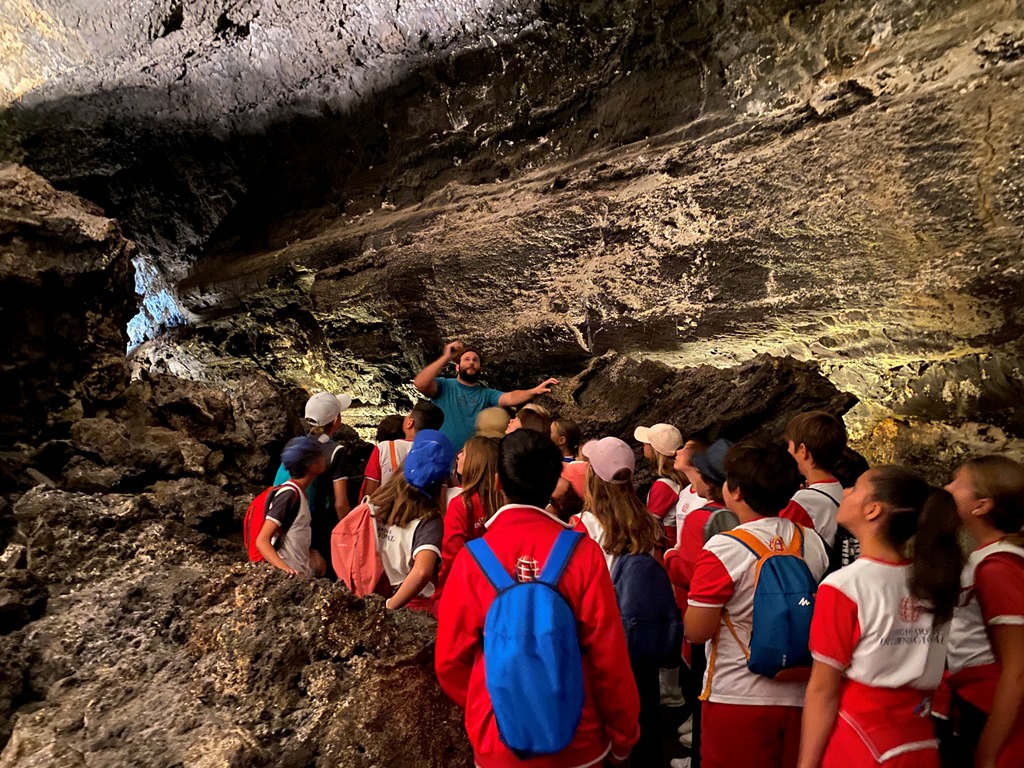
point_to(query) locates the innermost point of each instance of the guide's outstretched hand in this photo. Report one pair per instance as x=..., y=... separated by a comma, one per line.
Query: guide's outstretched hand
x=545, y=387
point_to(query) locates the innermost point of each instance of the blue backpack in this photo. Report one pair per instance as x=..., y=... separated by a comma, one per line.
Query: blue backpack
x=532, y=659
x=784, y=590
x=650, y=616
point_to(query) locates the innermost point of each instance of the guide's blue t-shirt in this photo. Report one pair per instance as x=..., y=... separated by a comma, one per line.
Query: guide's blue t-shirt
x=461, y=403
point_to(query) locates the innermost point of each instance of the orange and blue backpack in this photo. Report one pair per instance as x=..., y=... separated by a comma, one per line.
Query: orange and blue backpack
x=784, y=591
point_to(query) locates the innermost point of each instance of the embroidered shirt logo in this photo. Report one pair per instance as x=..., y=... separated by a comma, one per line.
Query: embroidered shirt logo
x=777, y=544
x=910, y=610
x=526, y=569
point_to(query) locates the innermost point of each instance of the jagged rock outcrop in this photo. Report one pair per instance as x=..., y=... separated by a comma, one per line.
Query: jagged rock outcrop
x=158, y=644
x=757, y=399
x=66, y=295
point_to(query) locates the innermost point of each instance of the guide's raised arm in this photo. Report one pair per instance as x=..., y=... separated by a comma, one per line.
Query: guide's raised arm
x=426, y=380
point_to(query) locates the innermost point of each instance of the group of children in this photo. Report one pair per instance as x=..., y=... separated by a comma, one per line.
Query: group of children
x=914, y=653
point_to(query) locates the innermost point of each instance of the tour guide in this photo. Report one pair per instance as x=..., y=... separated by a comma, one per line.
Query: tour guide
x=463, y=397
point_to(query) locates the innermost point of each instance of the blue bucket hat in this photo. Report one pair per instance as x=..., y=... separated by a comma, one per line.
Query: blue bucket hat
x=711, y=463
x=429, y=460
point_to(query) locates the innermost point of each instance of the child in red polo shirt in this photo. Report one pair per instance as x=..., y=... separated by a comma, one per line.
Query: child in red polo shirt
x=521, y=536
x=706, y=472
x=660, y=445
x=986, y=642
x=747, y=720
x=880, y=627
x=474, y=506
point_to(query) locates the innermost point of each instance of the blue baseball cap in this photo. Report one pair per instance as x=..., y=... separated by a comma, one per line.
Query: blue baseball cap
x=429, y=460
x=711, y=463
x=299, y=455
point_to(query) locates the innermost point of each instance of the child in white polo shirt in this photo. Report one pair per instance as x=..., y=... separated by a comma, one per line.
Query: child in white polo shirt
x=747, y=720
x=410, y=529
x=986, y=637
x=881, y=627
x=286, y=536
x=816, y=440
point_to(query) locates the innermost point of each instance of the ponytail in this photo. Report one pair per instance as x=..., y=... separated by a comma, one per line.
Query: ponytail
x=938, y=557
x=921, y=522
x=665, y=467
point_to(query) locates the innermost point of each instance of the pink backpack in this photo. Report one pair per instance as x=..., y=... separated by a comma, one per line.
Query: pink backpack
x=354, y=552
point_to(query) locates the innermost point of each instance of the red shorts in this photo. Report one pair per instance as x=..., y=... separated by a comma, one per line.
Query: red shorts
x=749, y=736
x=847, y=750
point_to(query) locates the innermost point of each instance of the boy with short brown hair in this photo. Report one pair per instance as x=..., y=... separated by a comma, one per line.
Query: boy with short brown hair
x=816, y=440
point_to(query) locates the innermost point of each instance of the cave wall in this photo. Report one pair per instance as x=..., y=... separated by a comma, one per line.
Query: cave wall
x=331, y=191
x=66, y=284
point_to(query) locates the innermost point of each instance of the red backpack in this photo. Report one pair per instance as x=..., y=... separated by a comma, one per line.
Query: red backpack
x=354, y=552
x=254, y=517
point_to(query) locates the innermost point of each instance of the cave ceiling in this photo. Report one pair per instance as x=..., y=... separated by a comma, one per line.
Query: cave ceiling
x=330, y=190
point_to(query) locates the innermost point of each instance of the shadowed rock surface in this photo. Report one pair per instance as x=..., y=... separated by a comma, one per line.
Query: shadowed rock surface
x=158, y=647
x=65, y=287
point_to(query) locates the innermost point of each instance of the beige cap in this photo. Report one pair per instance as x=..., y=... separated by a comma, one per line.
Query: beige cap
x=664, y=438
x=323, y=408
x=492, y=422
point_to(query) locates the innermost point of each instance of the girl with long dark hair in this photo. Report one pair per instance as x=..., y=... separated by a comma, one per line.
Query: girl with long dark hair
x=881, y=627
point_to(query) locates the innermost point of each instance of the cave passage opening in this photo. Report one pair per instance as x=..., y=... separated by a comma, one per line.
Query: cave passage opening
x=158, y=311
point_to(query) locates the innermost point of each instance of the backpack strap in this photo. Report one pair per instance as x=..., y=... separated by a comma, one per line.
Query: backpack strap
x=828, y=496
x=394, y=456
x=492, y=568
x=758, y=548
x=793, y=549
x=559, y=556
x=748, y=540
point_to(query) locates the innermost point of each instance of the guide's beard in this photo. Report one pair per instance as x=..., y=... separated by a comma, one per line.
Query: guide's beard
x=470, y=377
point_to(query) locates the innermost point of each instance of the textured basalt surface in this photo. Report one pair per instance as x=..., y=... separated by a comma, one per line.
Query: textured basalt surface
x=332, y=190
x=158, y=649
x=65, y=285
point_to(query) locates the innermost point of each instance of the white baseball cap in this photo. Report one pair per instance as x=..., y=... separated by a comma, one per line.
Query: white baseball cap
x=664, y=438
x=609, y=457
x=323, y=408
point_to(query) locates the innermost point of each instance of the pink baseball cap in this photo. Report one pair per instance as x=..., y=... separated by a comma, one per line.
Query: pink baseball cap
x=610, y=459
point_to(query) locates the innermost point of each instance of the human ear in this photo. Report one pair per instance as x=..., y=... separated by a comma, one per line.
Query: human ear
x=982, y=507
x=872, y=511
x=734, y=493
